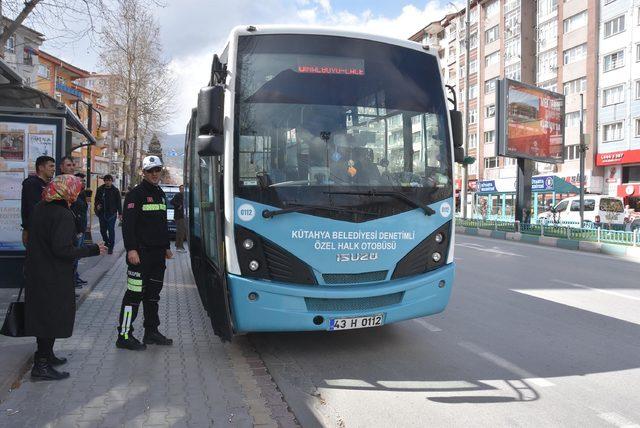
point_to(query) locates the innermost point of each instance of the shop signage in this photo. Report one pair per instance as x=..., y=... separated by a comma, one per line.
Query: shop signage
x=487, y=186
x=542, y=183
x=625, y=190
x=617, y=158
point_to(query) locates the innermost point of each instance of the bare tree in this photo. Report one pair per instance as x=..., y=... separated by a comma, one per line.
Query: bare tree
x=62, y=20
x=132, y=53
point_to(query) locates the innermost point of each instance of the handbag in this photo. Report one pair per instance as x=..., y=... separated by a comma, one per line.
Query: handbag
x=13, y=325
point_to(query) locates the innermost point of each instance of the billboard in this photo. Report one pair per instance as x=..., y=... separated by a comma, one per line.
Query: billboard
x=530, y=122
x=22, y=140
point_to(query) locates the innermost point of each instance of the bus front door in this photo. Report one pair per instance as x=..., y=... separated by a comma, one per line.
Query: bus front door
x=217, y=301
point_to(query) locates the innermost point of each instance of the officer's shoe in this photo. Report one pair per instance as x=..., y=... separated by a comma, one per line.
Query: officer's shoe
x=130, y=343
x=43, y=370
x=156, y=338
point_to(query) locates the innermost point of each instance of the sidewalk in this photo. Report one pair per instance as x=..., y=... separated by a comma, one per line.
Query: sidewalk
x=198, y=382
x=16, y=353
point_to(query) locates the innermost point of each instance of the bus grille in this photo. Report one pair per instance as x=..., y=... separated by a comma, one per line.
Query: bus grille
x=354, y=278
x=354, y=304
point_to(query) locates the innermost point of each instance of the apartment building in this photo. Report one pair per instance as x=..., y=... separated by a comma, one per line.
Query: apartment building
x=567, y=62
x=563, y=46
x=619, y=99
x=21, y=51
x=502, y=44
x=113, y=111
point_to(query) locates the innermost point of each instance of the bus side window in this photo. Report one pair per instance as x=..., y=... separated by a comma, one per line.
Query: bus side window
x=209, y=215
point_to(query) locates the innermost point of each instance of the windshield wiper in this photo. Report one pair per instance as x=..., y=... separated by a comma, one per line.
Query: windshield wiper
x=392, y=194
x=294, y=208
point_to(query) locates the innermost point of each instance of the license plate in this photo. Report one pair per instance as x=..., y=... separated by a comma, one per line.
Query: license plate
x=358, y=322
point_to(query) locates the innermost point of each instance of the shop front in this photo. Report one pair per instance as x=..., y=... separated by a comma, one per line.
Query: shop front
x=495, y=199
x=622, y=175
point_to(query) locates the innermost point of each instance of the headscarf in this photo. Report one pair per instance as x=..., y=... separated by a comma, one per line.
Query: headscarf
x=63, y=187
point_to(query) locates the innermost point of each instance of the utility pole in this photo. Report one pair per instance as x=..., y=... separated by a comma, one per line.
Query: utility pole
x=87, y=235
x=465, y=167
x=583, y=151
x=90, y=128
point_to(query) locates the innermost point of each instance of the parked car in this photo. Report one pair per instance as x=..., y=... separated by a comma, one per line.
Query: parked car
x=170, y=191
x=599, y=211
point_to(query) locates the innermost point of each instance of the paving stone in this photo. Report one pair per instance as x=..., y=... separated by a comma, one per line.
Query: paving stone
x=198, y=382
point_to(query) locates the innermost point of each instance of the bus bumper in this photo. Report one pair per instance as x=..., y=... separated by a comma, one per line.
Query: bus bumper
x=281, y=307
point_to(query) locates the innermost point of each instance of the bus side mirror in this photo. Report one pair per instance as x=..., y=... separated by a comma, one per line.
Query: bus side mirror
x=210, y=116
x=457, y=135
x=210, y=145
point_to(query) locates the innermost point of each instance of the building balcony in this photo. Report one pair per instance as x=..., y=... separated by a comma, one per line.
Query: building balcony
x=68, y=90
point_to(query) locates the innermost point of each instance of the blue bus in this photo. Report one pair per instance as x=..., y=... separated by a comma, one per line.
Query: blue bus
x=319, y=182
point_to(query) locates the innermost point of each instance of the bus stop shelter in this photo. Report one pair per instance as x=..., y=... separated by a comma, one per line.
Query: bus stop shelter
x=32, y=124
x=500, y=194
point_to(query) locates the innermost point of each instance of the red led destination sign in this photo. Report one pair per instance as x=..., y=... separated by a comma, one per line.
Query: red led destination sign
x=316, y=69
x=316, y=64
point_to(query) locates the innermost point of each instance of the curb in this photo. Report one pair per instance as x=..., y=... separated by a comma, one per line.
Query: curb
x=95, y=276
x=621, y=251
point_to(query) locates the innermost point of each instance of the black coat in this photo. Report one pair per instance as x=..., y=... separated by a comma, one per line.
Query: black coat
x=108, y=201
x=79, y=209
x=50, y=286
x=32, y=188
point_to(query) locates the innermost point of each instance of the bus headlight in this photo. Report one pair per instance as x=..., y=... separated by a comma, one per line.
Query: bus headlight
x=247, y=244
x=254, y=265
x=430, y=254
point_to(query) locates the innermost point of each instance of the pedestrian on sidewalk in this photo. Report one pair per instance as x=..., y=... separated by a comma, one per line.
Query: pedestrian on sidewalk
x=146, y=239
x=32, y=188
x=178, y=216
x=79, y=209
x=50, y=303
x=108, y=207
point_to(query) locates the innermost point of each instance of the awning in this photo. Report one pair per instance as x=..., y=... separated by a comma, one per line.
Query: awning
x=562, y=186
x=18, y=99
x=539, y=184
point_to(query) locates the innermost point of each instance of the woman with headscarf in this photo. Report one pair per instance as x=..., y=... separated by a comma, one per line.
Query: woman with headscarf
x=50, y=303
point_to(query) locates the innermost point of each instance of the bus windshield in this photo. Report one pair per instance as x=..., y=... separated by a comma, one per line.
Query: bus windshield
x=317, y=112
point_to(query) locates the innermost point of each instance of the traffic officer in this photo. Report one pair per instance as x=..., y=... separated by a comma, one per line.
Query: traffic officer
x=146, y=239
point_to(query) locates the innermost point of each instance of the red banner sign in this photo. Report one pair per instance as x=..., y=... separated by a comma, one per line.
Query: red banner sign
x=625, y=190
x=618, y=158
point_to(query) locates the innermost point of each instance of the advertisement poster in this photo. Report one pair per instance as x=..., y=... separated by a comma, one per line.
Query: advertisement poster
x=40, y=144
x=22, y=141
x=12, y=145
x=533, y=124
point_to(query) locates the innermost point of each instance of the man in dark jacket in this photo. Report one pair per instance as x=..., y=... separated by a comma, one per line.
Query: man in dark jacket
x=32, y=188
x=146, y=239
x=108, y=206
x=80, y=208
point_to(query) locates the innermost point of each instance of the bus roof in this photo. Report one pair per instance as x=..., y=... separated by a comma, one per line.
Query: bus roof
x=243, y=30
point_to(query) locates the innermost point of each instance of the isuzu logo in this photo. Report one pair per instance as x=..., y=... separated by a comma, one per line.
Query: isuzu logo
x=356, y=257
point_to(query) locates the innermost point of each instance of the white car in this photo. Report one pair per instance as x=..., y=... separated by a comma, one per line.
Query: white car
x=598, y=210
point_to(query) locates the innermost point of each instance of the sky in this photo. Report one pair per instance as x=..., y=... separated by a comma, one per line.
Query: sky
x=193, y=30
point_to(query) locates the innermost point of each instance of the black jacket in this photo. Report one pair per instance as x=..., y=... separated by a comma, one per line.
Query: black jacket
x=50, y=285
x=144, y=223
x=108, y=201
x=79, y=210
x=32, y=188
x=178, y=206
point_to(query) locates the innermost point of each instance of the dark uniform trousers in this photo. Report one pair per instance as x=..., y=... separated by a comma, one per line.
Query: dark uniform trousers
x=144, y=283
